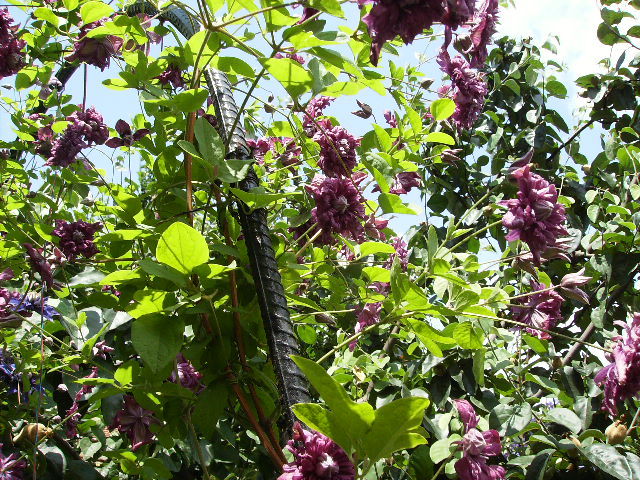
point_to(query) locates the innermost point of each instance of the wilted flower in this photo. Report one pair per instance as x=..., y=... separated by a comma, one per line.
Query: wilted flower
x=374, y=227
x=468, y=89
x=101, y=349
x=134, y=421
x=172, y=75
x=458, y=12
x=403, y=182
x=44, y=141
x=11, y=55
x=369, y=315
x=339, y=207
x=11, y=466
x=621, y=378
x=477, y=447
x=39, y=264
x=316, y=457
x=405, y=18
x=540, y=310
x=186, y=375
x=570, y=283
x=76, y=238
x=535, y=217
x=337, y=151
x=95, y=51
x=365, y=110
x=127, y=137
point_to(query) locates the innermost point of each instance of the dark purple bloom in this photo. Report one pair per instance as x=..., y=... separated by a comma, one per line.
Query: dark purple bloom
x=337, y=151
x=316, y=457
x=458, y=12
x=315, y=108
x=477, y=447
x=95, y=51
x=101, y=349
x=186, y=375
x=7, y=304
x=406, y=18
x=535, y=217
x=468, y=89
x=339, y=207
x=621, y=378
x=484, y=26
x=369, y=315
x=540, y=310
x=570, y=283
x=44, y=141
x=307, y=13
x=172, y=75
x=374, y=227
x=6, y=274
x=66, y=148
x=127, y=137
x=134, y=421
x=11, y=55
x=403, y=182
x=11, y=467
x=39, y=264
x=76, y=238
x=91, y=124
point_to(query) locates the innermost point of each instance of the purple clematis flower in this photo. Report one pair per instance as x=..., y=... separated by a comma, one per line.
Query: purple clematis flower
x=339, y=207
x=76, y=238
x=95, y=51
x=134, y=421
x=315, y=108
x=172, y=75
x=283, y=149
x=127, y=137
x=39, y=264
x=484, y=26
x=535, y=217
x=570, y=283
x=621, y=378
x=541, y=310
x=477, y=447
x=468, y=89
x=402, y=254
x=11, y=54
x=316, y=457
x=337, y=151
x=11, y=467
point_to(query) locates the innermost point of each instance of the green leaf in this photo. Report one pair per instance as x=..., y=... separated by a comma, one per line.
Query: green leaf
x=157, y=339
x=566, y=418
x=93, y=11
x=185, y=102
x=257, y=198
x=182, y=247
x=440, y=450
x=431, y=338
x=209, y=408
x=608, y=459
x=210, y=144
x=307, y=333
x=510, y=419
x=391, y=203
x=536, y=470
x=47, y=15
x=467, y=337
x=150, y=302
x=608, y=35
x=322, y=420
x=122, y=276
x=163, y=271
x=556, y=89
x=441, y=137
x=370, y=248
x=330, y=6
x=294, y=78
x=395, y=428
x=442, y=109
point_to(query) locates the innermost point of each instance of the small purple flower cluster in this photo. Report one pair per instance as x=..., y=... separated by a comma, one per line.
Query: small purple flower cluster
x=76, y=238
x=621, y=378
x=86, y=128
x=477, y=447
x=31, y=303
x=337, y=151
x=292, y=55
x=369, y=315
x=283, y=149
x=73, y=414
x=134, y=421
x=535, y=217
x=11, y=466
x=186, y=375
x=315, y=108
x=316, y=457
x=11, y=55
x=339, y=207
x=467, y=89
x=95, y=51
x=540, y=310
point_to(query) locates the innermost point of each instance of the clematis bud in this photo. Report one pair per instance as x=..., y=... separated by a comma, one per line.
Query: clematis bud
x=616, y=433
x=570, y=283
